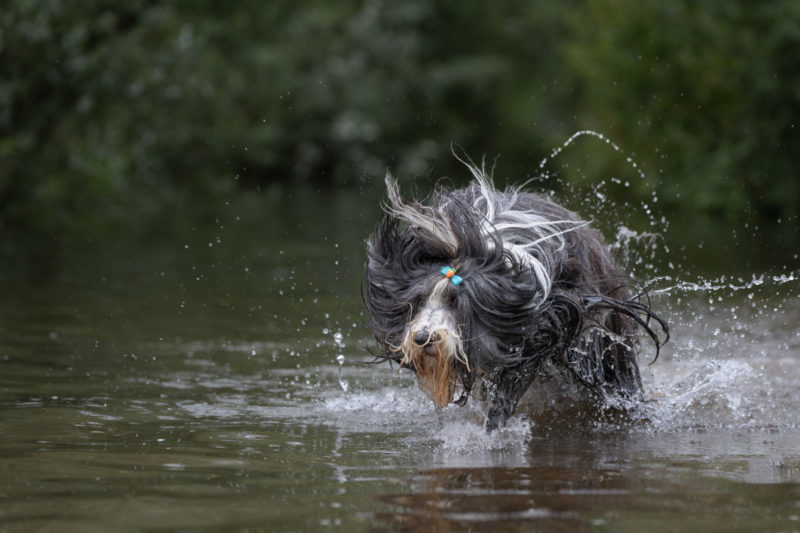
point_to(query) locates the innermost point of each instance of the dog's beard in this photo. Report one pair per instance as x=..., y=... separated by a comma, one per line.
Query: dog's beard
x=438, y=361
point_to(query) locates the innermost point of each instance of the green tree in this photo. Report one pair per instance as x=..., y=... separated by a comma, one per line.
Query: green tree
x=706, y=94
x=110, y=113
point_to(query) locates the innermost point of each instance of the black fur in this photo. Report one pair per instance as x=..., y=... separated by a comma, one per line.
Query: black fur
x=586, y=322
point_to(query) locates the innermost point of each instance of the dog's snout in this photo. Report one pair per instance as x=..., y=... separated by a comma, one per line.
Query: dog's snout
x=424, y=337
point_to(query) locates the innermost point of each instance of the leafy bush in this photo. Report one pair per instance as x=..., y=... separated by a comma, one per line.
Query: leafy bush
x=111, y=111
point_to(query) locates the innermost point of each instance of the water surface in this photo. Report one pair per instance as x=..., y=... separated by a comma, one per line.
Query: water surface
x=212, y=380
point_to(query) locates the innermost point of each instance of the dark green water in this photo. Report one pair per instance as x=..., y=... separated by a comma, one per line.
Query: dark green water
x=194, y=383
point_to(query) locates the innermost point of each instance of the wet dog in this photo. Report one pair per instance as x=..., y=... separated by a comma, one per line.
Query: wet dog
x=490, y=286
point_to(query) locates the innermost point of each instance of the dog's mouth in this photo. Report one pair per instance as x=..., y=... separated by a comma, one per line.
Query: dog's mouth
x=437, y=359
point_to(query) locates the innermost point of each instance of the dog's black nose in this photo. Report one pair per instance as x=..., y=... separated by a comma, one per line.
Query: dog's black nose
x=421, y=337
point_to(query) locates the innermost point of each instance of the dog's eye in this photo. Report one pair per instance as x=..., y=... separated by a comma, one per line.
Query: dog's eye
x=452, y=301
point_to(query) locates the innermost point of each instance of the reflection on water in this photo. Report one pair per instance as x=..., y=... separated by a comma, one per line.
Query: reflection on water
x=213, y=382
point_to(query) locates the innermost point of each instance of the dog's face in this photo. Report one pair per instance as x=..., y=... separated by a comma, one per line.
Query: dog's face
x=447, y=333
x=432, y=342
x=444, y=298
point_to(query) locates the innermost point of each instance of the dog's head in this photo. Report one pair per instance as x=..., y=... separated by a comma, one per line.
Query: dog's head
x=448, y=294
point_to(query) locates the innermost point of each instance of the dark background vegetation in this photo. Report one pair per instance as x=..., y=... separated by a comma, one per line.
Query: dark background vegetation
x=112, y=112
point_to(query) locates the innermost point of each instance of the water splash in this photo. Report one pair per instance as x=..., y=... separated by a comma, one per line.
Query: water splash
x=637, y=251
x=609, y=203
x=381, y=402
x=451, y=432
x=338, y=341
x=597, y=135
x=721, y=283
x=468, y=437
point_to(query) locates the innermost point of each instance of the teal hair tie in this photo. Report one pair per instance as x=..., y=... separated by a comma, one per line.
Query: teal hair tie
x=450, y=273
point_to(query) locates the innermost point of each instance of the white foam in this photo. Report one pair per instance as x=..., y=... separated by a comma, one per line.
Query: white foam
x=385, y=401
x=453, y=431
x=469, y=436
x=711, y=394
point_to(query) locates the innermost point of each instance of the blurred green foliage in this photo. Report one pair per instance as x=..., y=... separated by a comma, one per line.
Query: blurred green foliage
x=110, y=111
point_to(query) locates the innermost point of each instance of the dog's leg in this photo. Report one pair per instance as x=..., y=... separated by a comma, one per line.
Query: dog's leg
x=605, y=362
x=615, y=348
x=505, y=389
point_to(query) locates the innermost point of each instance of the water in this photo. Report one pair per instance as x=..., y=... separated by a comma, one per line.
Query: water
x=212, y=381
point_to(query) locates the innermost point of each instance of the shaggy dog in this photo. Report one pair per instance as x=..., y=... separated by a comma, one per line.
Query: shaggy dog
x=482, y=285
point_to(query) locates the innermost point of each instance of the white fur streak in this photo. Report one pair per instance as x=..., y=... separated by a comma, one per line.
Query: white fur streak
x=501, y=217
x=436, y=226
x=514, y=227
